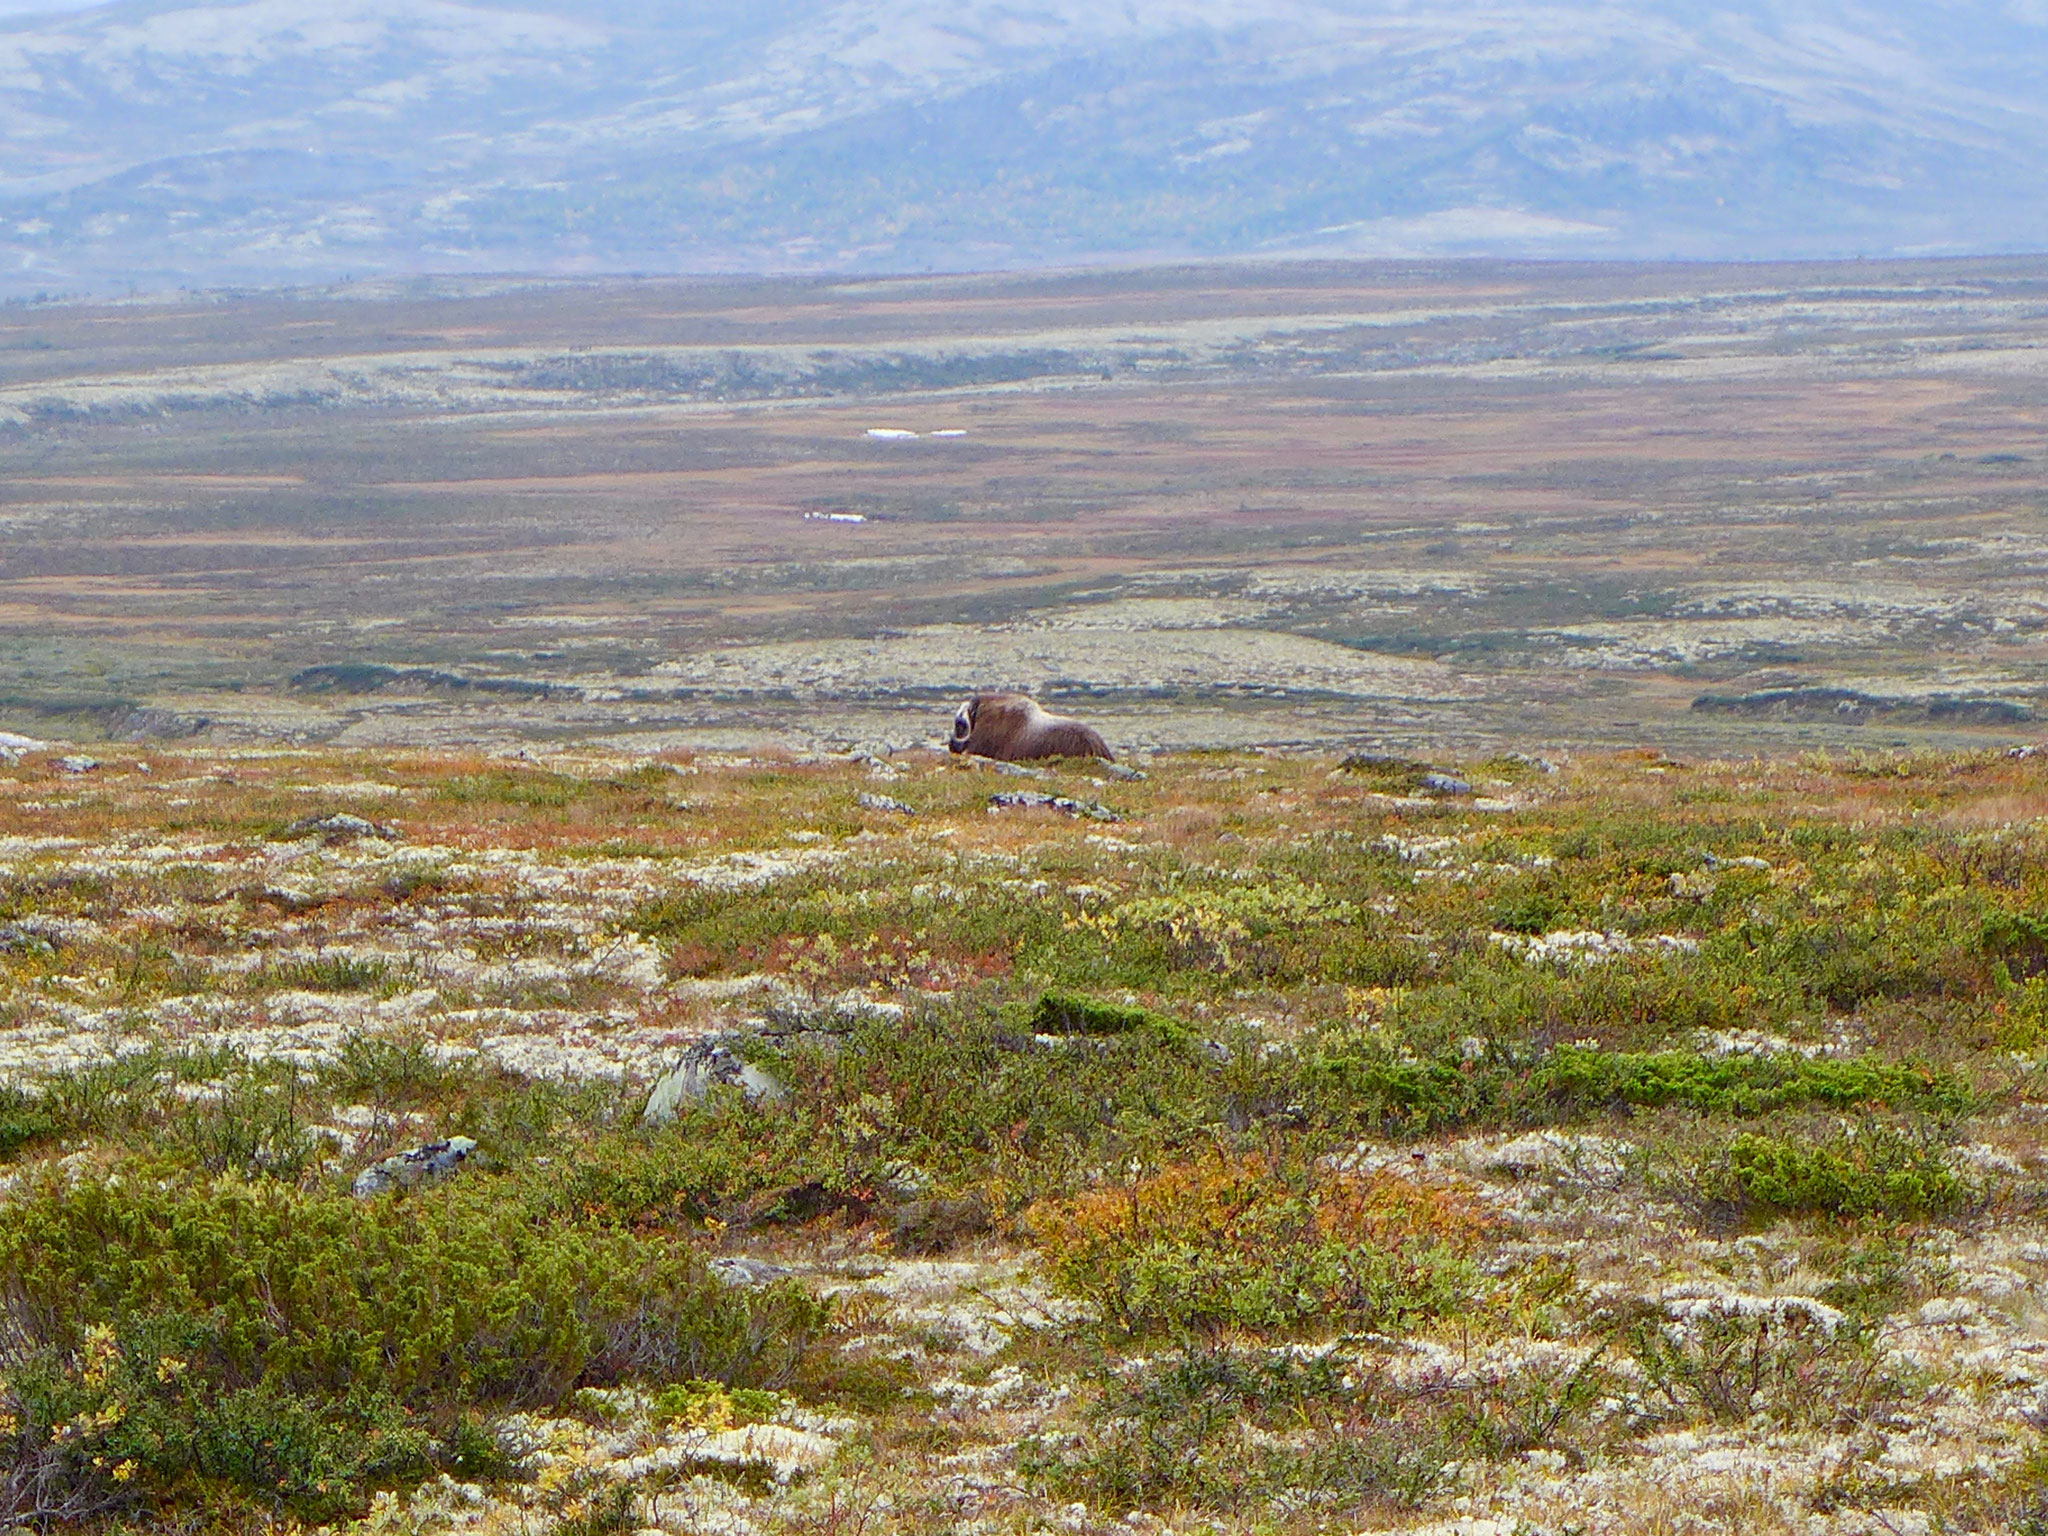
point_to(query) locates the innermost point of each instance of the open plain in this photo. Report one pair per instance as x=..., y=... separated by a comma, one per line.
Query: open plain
x=1719, y=508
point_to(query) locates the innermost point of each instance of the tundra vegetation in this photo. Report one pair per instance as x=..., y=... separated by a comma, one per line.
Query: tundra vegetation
x=1630, y=1145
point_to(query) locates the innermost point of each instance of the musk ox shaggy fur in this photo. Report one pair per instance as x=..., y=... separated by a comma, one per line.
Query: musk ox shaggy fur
x=1009, y=727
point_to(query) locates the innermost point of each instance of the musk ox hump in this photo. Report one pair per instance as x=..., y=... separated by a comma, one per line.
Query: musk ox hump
x=1011, y=728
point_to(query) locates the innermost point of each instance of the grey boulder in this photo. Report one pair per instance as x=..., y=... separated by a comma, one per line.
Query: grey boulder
x=339, y=827
x=746, y=1274
x=408, y=1170
x=1066, y=804
x=707, y=1065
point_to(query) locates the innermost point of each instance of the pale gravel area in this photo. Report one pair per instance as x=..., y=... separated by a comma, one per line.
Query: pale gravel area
x=1135, y=646
x=507, y=1010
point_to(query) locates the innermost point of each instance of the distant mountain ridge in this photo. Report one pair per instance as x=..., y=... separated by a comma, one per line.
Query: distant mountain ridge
x=167, y=142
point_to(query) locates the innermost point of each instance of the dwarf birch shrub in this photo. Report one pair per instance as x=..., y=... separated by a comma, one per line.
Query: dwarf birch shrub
x=452, y=1294
x=1223, y=1427
x=1868, y=1168
x=1725, y=1357
x=289, y=1342
x=1233, y=1243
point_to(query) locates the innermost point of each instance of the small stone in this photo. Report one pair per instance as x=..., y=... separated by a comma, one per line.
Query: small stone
x=339, y=827
x=883, y=803
x=1445, y=784
x=878, y=767
x=78, y=762
x=1123, y=773
x=1014, y=770
x=409, y=1170
x=706, y=1065
x=745, y=1274
x=1032, y=799
x=25, y=939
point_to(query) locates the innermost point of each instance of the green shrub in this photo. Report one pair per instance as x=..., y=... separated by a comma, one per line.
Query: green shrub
x=1537, y=910
x=1578, y=1080
x=1389, y=1094
x=2019, y=942
x=1067, y=1013
x=452, y=1295
x=1868, y=1169
x=1385, y=772
x=253, y=1122
x=24, y=1119
x=302, y=1330
x=713, y=1405
x=471, y=1451
x=123, y=1419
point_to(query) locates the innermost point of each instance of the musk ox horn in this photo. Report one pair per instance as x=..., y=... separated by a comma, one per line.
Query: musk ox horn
x=1010, y=728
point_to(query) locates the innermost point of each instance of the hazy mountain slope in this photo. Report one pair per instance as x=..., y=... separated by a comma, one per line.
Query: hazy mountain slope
x=177, y=140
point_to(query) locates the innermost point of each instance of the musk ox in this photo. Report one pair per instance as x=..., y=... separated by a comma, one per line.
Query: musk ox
x=1010, y=728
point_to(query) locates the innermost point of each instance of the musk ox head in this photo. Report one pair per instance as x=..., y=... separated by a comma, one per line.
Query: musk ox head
x=1010, y=728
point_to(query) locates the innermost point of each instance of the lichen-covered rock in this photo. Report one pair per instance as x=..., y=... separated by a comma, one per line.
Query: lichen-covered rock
x=1091, y=810
x=408, y=1170
x=706, y=1065
x=78, y=762
x=43, y=933
x=746, y=1274
x=1445, y=784
x=340, y=827
x=884, y=803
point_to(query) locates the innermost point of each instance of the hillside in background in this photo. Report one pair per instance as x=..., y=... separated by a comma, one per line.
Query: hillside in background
x=176, y=142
